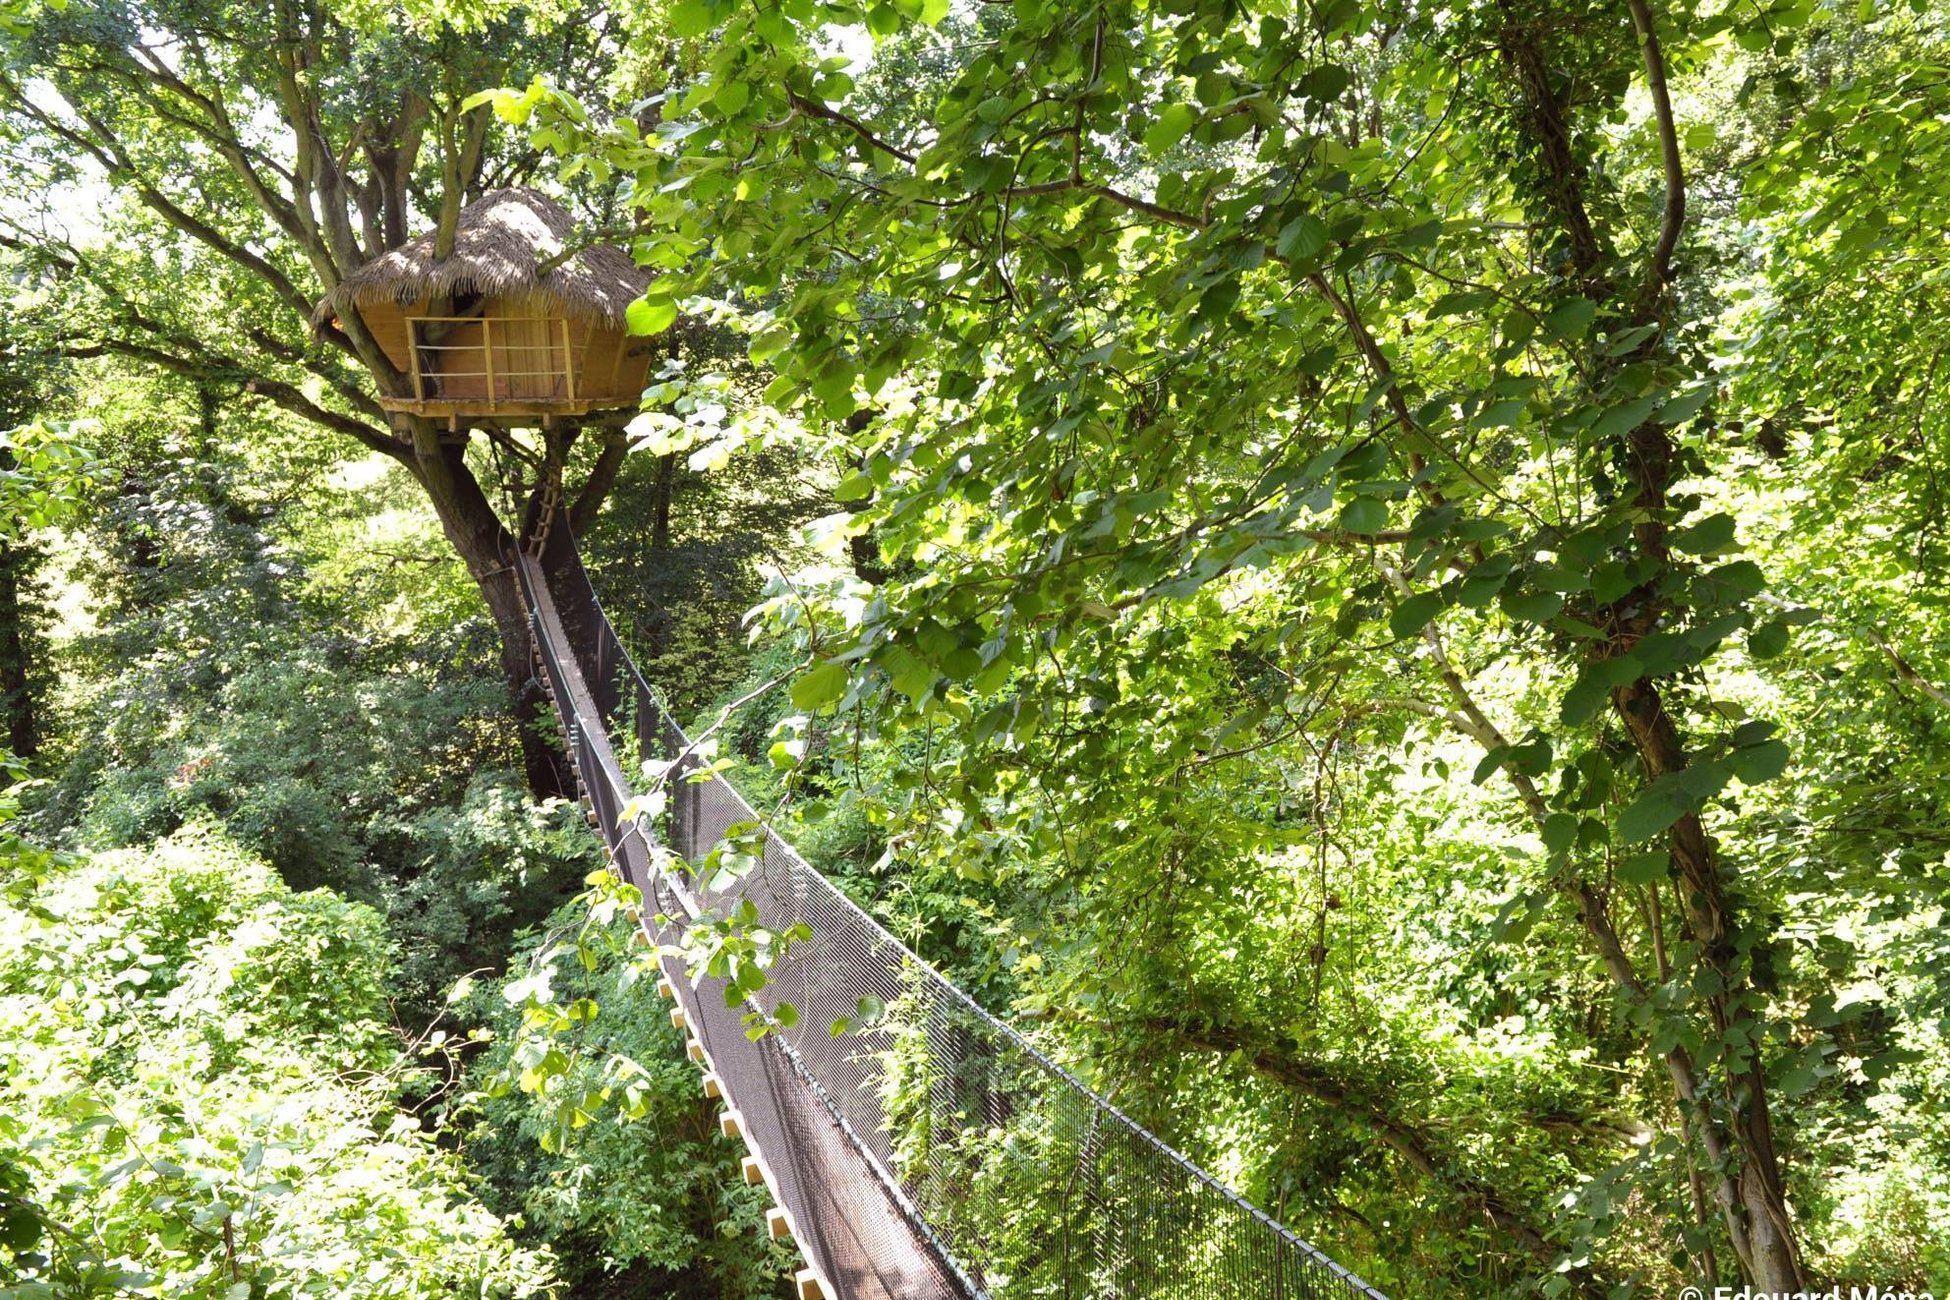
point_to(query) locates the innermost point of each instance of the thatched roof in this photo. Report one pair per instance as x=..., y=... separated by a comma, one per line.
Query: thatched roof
x=500, y=241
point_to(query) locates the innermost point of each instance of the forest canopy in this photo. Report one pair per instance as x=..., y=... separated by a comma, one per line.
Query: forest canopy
x=1372, y=576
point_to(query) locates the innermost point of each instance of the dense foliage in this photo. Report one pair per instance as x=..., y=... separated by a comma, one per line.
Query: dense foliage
x=1373, y=575
x=619, y=1160
x=1342, y=495
x=199, y=1088
x=273, y=749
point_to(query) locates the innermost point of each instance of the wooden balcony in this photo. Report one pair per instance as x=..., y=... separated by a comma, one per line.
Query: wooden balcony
x=510, y=366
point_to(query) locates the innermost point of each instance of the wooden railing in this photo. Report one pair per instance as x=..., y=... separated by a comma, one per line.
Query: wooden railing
x=512, y=376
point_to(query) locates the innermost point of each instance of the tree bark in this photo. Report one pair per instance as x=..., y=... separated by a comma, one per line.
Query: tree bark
x=16, y=658
x=1757, y=1221
x=1741, y=1146
x=660, y=507
x=488, y=549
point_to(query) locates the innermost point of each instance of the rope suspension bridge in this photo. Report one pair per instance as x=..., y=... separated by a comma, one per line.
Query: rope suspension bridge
x=935, y=1154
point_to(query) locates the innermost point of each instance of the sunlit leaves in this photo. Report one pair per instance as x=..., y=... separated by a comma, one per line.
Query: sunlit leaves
x=17, y=16
x=1364, y=516
x=1232, y=443
x=820, y=685
x=234, y=1113
x=46, y=474
x=1415, y=613
x=1172, y=124
x=1302, y=238
x=651, y=314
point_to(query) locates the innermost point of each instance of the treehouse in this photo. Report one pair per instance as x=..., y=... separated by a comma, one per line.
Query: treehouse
x=515, y=323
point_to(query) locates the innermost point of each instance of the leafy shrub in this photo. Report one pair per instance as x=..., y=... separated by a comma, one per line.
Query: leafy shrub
x=197, y=1094
x=387, y=786
x=617, y=1151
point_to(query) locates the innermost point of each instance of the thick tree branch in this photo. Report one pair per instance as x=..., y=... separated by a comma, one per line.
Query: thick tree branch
x=1907, y=671
x=106, y=149
x=354, y=394
x=1283, y=1064
x=207, y=365
x=602, y=478
x=221, y=133
x=1659, y=274
x=462, y=136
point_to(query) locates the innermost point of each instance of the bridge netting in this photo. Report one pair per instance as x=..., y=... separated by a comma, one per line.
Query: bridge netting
x=929, y=1150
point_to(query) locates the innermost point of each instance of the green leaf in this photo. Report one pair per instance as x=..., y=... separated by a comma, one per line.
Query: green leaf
x=1516, y=918
x=834, y=389
x=1756, y=764
x=1468, y=303
x=1585, y=698
x=1880, y=1065
x=732, y=96
x=1652, y=813
x=769, y=342
x=691, y=18
x=1480, y=588
x=1768, y=640
x=995, y=108
x=1685, y=405
x=1532, y=606
x=1174, y=120
x=1415, y=613
x=1623, y=418
x=651, y=315
x=1499, y=415
x=1530, y=758
x=1625, y=341
x=1364, y=516
x=819, y=685
x=1752, y=733
x=1491, y=764
x=1302, y=238
x=1713, y=533
x=1644, y=868
x=1326, y=83
x=1572, y=320
x=1730, y=584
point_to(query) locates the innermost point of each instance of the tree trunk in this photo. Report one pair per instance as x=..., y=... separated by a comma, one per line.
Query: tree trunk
x=23, y=738
x=660, y=508
x=16, y=642
x=1758, y=1220
x=543, y=763
x=488, y=549
x=1748, y=1177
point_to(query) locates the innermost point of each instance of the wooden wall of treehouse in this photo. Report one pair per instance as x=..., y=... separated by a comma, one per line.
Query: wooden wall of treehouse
x=609, y=365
